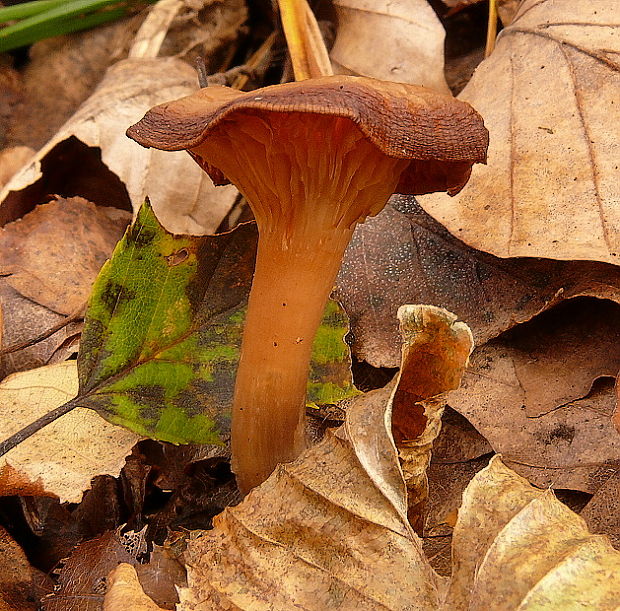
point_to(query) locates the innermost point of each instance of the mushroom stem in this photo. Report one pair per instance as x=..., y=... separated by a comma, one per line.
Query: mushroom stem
x=292, y=282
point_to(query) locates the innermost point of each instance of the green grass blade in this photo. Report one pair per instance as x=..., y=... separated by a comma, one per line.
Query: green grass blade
x=27, y=9
x=14, y=39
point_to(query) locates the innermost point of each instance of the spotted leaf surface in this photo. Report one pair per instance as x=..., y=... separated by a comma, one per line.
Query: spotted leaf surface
x=163, y=334
x=163, y=329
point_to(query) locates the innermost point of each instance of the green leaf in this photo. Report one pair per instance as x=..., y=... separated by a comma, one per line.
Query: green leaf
x=163, y=329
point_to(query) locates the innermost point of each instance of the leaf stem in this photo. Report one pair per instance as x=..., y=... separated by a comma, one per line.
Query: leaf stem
x=34, y=427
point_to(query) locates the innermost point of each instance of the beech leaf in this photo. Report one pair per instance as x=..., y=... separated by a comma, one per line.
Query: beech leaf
x=549, y=98
x=408, y=32
x=330, y=530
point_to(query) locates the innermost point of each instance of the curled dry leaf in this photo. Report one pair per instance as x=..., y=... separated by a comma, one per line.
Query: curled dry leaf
x=125, y=592
x=53, y=255
x=13, y=159
x=407, y=31
x=329, y=530
x=602, y=513
x=529, y=395
x=61, y=459
x=90, y=155
x=435, y=352
x=549, y=96
x=404, y=256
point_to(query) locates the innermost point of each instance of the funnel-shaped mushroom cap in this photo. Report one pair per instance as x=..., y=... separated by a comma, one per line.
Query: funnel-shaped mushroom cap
x=439, y=136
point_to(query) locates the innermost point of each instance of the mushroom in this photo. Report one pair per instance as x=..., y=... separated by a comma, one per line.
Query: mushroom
x=313, y=159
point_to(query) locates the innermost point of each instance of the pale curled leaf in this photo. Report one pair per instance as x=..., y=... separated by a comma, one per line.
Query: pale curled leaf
x=549, y=97
x=128, y=89
x=408, y=33
x=435, y=352
x=61, y=459
x=329, y=531
x=125, y=592
x=516, y=547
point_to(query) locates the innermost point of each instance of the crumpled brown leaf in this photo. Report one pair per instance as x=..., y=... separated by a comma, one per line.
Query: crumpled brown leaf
x=408, y=33
x=62, y=458
x=330, y=530
x=53, y=254
x=404, y=256
x=531, y=394
x=90, y=155
x=602, y=513
x=82, y=583
x=548, y=95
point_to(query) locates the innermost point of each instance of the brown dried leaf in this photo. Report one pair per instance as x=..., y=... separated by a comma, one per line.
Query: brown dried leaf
x=125, y=592
x=62, y=458
x=549, y=94
x=16, y=587
x=82, y=583
x=602, y=513
x=435, y=352
x=404, y=256
x=53, y=255
x=24, y=320
x=515, y=547
x=569, y=441
x=183, y=197
x=160, y=577
x=408, y=33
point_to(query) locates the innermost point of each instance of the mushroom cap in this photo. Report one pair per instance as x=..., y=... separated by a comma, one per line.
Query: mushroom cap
x=442, y=136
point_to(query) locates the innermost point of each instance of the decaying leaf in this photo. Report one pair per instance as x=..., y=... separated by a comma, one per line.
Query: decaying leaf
x=24, y=320
x=531, y=394
x=62, y=458
x=602, y=513
x=408, y=33
x=125, y=592
x=404, y=256
x=549, y=96
x=330, y=530
x=53, y=255
x=16, y=587
x=435, y=352
x=90, y=155
x=162, y=334
x=82, y=583
x=11, y=160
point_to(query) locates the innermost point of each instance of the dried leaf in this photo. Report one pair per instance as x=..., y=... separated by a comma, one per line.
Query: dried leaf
x=24, y=320
x=435, y=352
x=602, y=513
x=163, y=331
x=548, y=95
x=53, y=255
x=330, y=530
x=82, y=583
x=16, y=587
x=529, y=395
x=404, y=256
x=61, y=459
x=518, y=547
x=408, y=32
x=69, y=164
x=125, y=592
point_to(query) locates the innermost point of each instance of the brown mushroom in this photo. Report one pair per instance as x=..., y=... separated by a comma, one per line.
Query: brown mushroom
x=313, y=159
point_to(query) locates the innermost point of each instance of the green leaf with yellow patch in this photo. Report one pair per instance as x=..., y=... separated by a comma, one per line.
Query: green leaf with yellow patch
x=163, y=330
